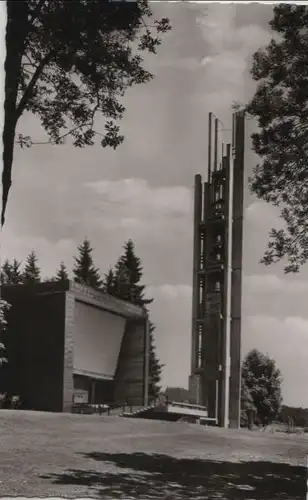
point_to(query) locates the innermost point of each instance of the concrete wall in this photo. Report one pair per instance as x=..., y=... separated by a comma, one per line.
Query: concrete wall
x=97, y=340
x=68, y=381
x=131, y=374
x=35, y=350
x=236, y=277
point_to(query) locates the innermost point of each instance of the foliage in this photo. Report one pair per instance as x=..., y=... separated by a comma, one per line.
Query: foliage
x=127, y=275
x=155, y=367
x=177, y=394
x=248, y=409
x=299, y=416
x=4, y=307
x=62, y=273
x=11, y=273
x=261, y=381
x=15, y=401
x=84, y=270
x=109, y=283
x=66, y=77
x=121, y=284
x=31, y=273
x=124, y=283
x=280, y=106
x=6, y=272
x=247, y=402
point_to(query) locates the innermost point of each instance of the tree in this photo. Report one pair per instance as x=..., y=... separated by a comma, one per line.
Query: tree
x=261, y=386
x=67, y=76
x=84, y=270
x=122, y=283
x=31, y=273
x=280, y=105
x=109, y=284
x=295, y=415
x=62, y=273
x=6, y=272
x=16, y=273
x=155, y=367
x=4, y=307
x=11, y=273
x=248, y=409
x=177, y=394
x=127, y=276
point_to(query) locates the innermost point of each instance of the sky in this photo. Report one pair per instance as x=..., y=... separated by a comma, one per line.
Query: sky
x=144, y=191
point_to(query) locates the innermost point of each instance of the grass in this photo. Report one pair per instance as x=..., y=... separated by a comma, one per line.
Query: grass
x=44, y=454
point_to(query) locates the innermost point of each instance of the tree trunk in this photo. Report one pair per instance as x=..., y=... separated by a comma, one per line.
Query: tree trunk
x=16, y=31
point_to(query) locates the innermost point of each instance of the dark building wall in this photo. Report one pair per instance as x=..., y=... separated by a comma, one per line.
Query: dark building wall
x=35, y=350
x=104, y=391
x=132, y=369
x=99, y=391
x=40, y=348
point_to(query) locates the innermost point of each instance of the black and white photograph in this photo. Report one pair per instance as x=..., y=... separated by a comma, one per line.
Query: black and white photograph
x=154, y=250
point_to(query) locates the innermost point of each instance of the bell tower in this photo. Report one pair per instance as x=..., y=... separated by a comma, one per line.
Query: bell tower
x=217, y=277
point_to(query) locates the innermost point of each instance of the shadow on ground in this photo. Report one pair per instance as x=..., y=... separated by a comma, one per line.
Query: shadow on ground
x=140, y=475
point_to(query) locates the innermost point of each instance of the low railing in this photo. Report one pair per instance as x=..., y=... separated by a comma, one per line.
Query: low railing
x=188, y=405
x=100, y=409
x=85, y=408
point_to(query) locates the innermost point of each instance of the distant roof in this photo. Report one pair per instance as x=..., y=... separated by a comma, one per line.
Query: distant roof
x=82, y=293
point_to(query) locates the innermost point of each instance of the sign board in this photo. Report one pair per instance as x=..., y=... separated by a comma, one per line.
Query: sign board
x=81, y=396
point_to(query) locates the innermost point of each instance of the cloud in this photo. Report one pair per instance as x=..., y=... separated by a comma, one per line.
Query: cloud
x=136, y=194
x=262, y=213
x=171, y=291
x=49, y=253
x=252, y=284
x=270, y=283
x=186, y=64
x=228, y=57
x=138, y=208
x=259, y=219
x=269, y=294
x=171, y=313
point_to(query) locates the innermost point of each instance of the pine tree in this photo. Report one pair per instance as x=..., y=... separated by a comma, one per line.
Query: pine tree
x=11, y=273
x=122, y=282
x=62, y=273
x=32, y=273
x=128, y=273
x=109, y=283
x=84, y=270
x=127, y=276
x=155, y=368
x=6, y=272
x=16, y=273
